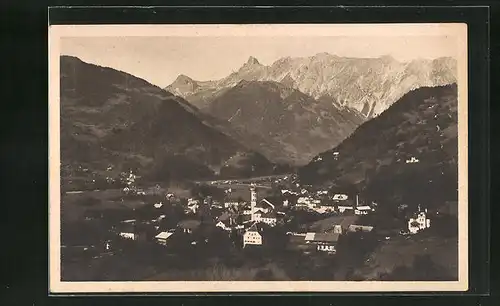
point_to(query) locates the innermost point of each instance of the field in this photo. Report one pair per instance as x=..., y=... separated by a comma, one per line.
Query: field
x=75, y=205
x=403, y=252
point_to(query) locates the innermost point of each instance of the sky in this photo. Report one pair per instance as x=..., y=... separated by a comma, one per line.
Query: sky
x=160, y=59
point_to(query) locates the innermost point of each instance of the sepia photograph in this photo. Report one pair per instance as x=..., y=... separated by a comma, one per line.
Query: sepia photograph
x=278, y=158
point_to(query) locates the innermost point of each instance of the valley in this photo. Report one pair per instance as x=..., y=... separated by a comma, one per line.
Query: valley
x=265, y=179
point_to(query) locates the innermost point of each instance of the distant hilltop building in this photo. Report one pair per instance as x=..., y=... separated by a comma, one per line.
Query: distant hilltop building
x=419, y=223
x=340, y=197
x=412, y=160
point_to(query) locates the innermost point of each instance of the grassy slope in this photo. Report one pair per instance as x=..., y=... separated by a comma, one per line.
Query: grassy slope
x=110, y=117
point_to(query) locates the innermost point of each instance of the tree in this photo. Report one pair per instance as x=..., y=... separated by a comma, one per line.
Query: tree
x=264, y=275
x=89, y=202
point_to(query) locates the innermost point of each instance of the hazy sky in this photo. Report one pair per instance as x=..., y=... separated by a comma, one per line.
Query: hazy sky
x=160, y=60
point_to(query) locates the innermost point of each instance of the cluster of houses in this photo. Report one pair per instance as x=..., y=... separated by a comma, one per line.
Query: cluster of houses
x=322, y=203
x=321, y=236
x=253, y=212
x=251, y=220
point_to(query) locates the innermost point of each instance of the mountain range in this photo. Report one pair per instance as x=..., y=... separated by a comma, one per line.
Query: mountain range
x=293, y=125
x=109, y=117
x=247, y=127
x=300, y=107
x=368, y=85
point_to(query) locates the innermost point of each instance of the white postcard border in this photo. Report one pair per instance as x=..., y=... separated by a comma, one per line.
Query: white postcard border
x=56, y=32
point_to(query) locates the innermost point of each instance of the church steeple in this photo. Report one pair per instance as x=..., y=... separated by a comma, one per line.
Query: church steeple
x=253, y=201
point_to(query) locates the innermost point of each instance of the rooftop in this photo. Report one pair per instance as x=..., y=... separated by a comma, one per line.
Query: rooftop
x=225, y=216
x=253, y=228
x=164, y=235
x=328, y=223
x=269, y=215
x=322, y=237
x=266, y=202
x=192, y=224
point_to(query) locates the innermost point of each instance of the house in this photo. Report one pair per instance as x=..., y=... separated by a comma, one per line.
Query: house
x=225, y=221
x=325, y=242
x=325, y=208
x=335, y=224
x=343, y=208
x=216, y=204
x=360, y=228
x=128, y=230
x=339, y=197
x=252, y=236
x=158, y=205
x=363, y=210
x=266, y=205
x=246, y=219
x=296, y=241
x=269, y=218
x=304, y=201
x=412, y=160
x=285, y=203
x=128, y=235
x=448, y=208
x=247, y=210
x=288, y=192
x=162, y=237
x=170, y=195
x=231, y=204
x=192, y=201
x=207, y=201
x=225, y=225
x=419, y=223
x=189, y=226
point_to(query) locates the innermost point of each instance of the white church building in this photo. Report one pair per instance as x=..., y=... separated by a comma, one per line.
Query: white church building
x=419, y=223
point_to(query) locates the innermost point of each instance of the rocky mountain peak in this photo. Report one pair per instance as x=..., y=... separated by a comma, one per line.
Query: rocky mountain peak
x=387, y=58
x=252, y=61
x=182, y=78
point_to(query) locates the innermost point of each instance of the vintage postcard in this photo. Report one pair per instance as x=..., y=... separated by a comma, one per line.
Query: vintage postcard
x=258, y=158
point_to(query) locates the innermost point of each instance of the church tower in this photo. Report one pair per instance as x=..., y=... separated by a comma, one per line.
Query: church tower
x=253, y=201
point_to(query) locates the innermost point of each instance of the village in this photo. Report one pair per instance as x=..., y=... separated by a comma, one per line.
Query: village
x=282, y=215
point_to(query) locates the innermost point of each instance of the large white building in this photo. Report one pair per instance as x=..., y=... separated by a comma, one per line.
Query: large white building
x=269, y=218
x=340, y=197
x=162, y=237
x=419, y=223
x=362, y=209
x=252, y=236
